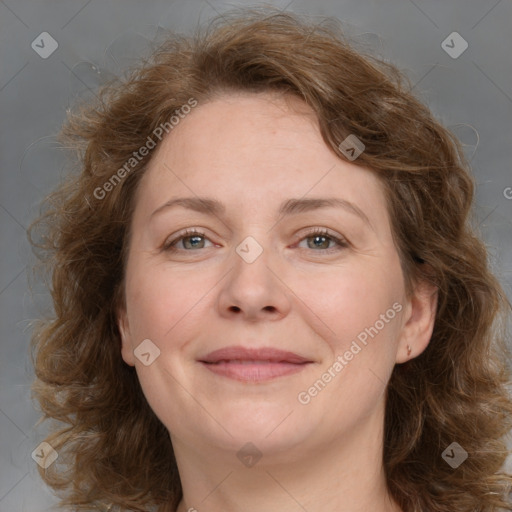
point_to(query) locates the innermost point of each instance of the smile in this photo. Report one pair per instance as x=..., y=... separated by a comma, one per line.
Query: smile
x=253, y=365
x=254, y=371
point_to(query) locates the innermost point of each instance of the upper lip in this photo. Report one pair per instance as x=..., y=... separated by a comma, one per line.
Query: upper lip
x=239, y=353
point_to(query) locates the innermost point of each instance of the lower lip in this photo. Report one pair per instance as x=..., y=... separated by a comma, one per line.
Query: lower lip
x=254, y=372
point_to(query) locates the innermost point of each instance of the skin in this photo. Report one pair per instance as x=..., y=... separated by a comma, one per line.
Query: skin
x=251, y=152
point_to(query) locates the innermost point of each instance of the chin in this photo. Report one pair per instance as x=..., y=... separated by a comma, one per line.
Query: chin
x=269, y=428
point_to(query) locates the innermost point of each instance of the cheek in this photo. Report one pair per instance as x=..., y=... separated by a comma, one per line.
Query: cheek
x=363, y=343
x=162, y=301
x=350, y=301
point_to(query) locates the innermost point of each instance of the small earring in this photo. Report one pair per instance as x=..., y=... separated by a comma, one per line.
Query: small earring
x=409, y=350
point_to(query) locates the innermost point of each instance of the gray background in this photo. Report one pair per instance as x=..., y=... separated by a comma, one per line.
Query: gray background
x=471, y=94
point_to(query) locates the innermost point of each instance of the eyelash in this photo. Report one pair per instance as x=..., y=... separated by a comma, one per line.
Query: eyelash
x=342, y=243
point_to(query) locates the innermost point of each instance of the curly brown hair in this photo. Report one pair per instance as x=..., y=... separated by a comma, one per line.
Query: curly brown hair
x=112, y=448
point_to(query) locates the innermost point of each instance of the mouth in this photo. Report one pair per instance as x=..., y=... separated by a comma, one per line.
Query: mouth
x=254, y=365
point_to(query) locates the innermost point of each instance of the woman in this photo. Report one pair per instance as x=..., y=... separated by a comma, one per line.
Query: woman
x=267, y=292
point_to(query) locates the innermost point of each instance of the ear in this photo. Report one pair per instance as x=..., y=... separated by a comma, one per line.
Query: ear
x=419, y=321
x=126, y=339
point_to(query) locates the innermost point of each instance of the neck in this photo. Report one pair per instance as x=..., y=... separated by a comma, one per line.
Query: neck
x=345, y=474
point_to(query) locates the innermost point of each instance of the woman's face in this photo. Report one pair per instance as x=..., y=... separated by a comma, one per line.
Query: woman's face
x=258, y=277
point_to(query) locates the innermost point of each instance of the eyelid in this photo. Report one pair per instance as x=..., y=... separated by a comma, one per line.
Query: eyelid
x=340, y=240
x=177, y=237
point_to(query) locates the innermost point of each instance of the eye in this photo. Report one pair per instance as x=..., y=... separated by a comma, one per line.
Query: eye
x=320, y=241
x=191, y=239
x=321, y=238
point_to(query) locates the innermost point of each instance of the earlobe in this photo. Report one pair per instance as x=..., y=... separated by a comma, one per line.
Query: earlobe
x=126, y=344
x=419, y=325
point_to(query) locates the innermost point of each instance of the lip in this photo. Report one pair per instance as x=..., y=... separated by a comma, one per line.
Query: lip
x=253, y=365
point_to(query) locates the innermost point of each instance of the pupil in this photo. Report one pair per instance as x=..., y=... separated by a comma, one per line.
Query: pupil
x=192, y=238
x=320, y=237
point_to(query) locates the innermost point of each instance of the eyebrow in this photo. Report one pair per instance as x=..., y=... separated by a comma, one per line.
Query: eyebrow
x=289, y=207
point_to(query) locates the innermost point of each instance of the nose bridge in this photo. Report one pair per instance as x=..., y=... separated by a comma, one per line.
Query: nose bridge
x=252, y=287
x=250, y=250
x=252, y=263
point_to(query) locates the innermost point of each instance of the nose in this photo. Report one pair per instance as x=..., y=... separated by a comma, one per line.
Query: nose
x=254, y=290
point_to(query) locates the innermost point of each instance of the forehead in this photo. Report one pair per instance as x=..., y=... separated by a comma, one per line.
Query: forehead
x=254, y=149
x=234, y=129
